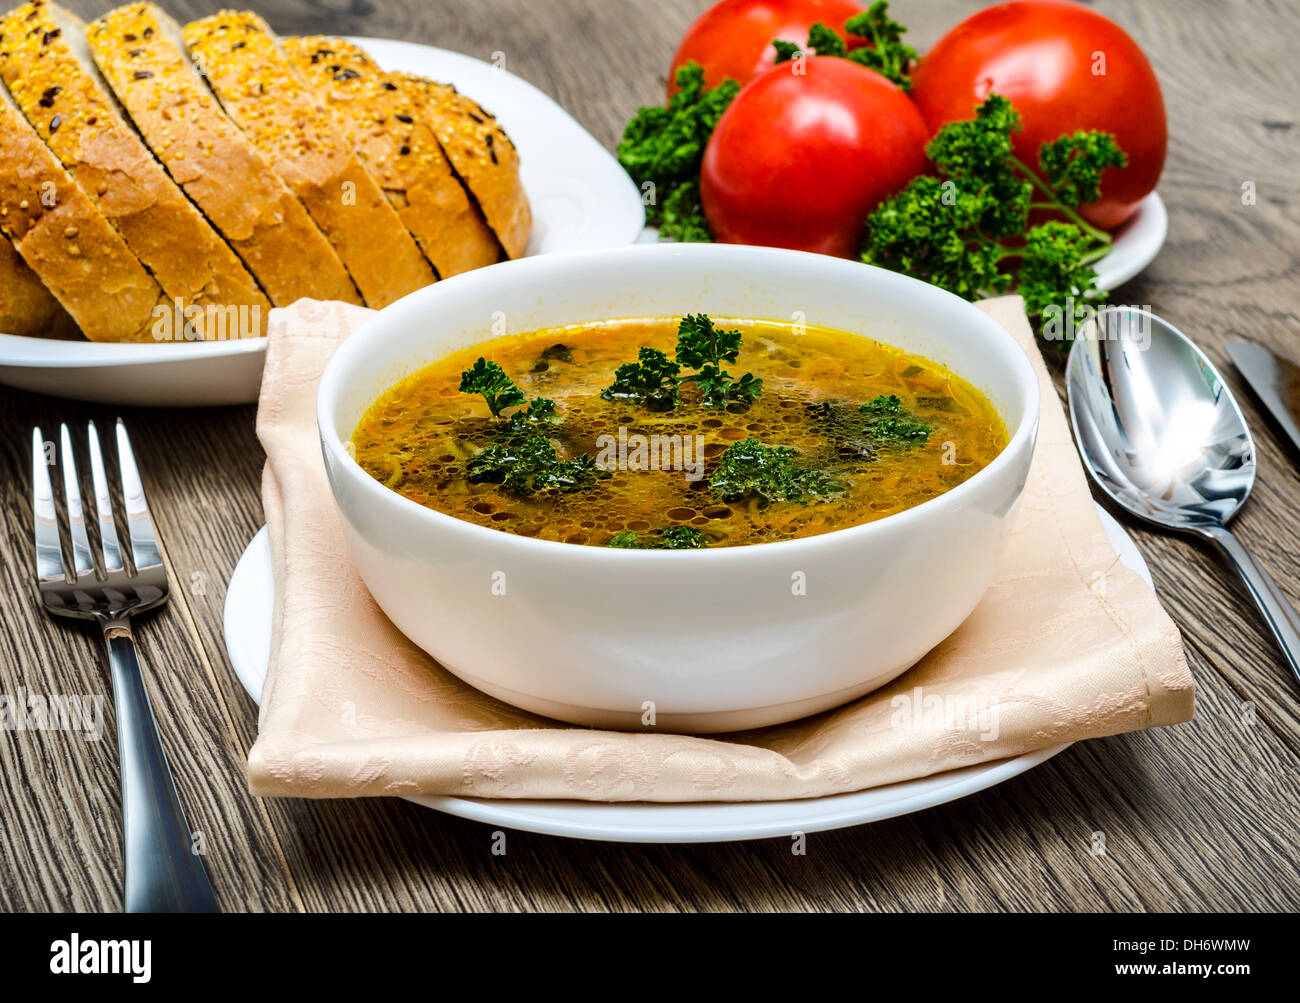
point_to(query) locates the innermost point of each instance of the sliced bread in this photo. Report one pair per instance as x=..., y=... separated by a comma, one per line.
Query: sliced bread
x=47, y=67
x=26, y=306
x=141, y=53
x=400, y=150
x=67, y=242
x=307, y=147
x=482, y=154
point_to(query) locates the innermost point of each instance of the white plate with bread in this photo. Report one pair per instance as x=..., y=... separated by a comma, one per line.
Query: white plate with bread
x=162, y=188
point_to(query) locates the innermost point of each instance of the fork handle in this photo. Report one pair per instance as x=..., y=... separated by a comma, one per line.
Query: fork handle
x=163, y=874
x=1279, y=614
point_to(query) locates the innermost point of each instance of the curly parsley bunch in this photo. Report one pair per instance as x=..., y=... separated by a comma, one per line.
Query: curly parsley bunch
x=968, y=229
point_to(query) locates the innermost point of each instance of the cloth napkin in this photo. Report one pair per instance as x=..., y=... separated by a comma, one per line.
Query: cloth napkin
x=1067, y=644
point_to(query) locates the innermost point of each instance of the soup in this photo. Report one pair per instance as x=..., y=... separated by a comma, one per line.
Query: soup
x=677, y=433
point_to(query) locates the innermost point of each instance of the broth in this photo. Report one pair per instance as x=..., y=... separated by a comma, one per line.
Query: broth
x=418, y=436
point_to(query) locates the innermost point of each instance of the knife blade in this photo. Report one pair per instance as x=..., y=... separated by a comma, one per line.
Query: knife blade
x=1276, y=382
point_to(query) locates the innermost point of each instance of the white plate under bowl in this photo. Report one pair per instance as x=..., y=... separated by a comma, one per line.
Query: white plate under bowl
x=581, y=200
x=250, y=598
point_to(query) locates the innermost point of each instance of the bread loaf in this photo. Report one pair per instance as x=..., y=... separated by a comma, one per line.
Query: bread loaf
x=481, y=153
x=47, y=67
x=401, y=151
x=141, y=53
x=26, y=306
x=303, y=142
x=67, y=242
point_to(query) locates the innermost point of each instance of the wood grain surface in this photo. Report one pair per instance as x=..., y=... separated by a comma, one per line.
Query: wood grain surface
x=1198, y=817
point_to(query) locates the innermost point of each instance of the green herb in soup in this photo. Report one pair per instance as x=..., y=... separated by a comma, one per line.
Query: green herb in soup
x=655, y=381
x=672, y=538
x=522, y=458
x=555, y=434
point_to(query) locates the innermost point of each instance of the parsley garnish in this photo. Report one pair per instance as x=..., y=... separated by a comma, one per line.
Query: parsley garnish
x=662, y=148
x=654, y=380
x=523, y=459
x=887, y=54
x=888, y=423
x=650, y=381
x=749, y=469
x=490, y=380
x=671, y=538
x=702, y=347
x=699, y=342
x=525, y=464
x=968, y=230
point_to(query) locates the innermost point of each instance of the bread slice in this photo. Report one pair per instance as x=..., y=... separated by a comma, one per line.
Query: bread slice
x=26, y=306
x=304, y=143
x=141, y=53
x=400, y=150
x=481, y=153
x=47, y=67
x=67, y=242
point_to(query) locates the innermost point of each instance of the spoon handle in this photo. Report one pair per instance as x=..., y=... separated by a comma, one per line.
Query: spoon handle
x=1280, y=615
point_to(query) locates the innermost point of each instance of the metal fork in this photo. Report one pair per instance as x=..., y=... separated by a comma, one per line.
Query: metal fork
x=162, y=872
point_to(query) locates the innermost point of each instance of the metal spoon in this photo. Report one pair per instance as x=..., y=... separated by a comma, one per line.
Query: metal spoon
x=1162, y=435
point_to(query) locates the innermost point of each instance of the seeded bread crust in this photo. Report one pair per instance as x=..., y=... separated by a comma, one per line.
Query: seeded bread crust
x=66, y=241
x=400, y=150
x=140, y=51
x=26, y=306
x=305, y=144
x=54, y=82
x=481, y=153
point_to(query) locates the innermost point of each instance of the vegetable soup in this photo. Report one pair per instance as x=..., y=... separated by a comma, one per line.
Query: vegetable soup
x=677, y=433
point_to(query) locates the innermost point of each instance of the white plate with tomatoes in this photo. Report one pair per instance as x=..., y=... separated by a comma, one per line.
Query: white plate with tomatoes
x=807, y=149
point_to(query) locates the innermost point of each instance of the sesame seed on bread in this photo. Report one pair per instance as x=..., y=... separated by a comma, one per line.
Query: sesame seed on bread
x=400, y=150
x=481, y=153
x=305, y=144
x=66, y=241
x=26, y=306
x=141, y=53
x=48, y=70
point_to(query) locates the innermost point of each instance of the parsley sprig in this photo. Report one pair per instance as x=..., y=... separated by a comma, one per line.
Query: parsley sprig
x=968, y=230
x=662, y=149
x=522, y=459
x=670, y=538
x=749, y=469
x=654, y=380
x=887, y=54
x=490, y=380
x=650, y=381
x=885, y=421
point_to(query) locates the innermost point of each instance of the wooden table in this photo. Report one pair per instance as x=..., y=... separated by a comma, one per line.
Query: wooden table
x=1198, y=817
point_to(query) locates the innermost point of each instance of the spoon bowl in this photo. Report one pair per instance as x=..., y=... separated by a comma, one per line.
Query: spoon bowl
x=1161, y=434
x=1160, y=431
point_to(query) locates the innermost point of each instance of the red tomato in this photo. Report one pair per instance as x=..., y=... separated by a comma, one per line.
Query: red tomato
x=800, y=160
x=734, y=38
x=1065, y=68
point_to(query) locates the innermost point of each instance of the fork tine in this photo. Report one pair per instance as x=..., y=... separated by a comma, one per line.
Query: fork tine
x=49, y=553
x=103, y=504
x=144, y=541
x=82, y=560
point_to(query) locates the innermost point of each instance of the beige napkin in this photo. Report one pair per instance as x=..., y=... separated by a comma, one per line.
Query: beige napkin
x=1067, y=644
